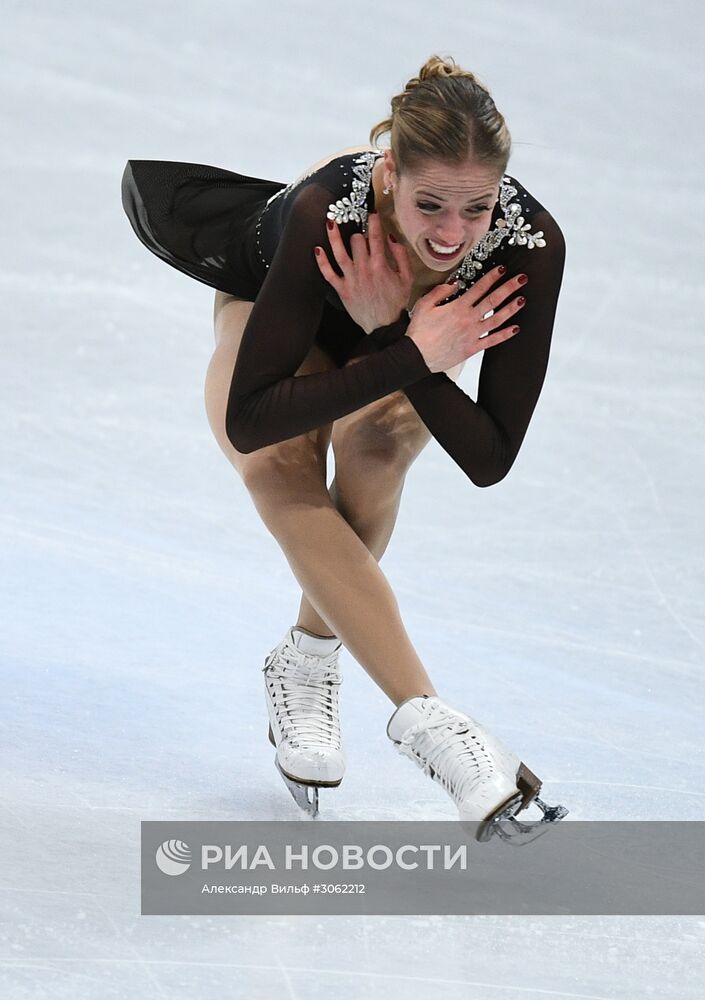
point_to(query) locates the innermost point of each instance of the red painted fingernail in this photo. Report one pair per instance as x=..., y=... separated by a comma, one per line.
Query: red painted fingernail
x=392, y=238
x=522, y=279
x=521, y=300
x=317, y=251
x=516, y=329
x=329, y=223
x=502, y=269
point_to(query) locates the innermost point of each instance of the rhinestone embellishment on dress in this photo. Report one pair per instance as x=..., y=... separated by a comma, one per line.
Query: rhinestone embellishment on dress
x=513, y=225
x=353, y=207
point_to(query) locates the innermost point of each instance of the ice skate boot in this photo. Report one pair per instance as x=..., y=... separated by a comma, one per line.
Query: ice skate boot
x=488, y=783
x=302, y=681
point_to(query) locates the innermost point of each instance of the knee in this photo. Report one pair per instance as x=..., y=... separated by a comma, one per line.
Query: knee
x=370, y=470
x=292, y=471
x=380, y=441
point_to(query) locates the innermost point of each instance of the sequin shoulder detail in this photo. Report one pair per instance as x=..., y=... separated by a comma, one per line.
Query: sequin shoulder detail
x=513, y=228
x=352, y=207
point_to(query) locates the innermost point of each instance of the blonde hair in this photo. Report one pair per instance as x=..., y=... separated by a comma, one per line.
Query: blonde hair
x=445, y=113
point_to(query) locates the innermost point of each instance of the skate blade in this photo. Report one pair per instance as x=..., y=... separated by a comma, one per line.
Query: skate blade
x=507, y=827
x=503, y=823
x=519, y=832
x=305, y=796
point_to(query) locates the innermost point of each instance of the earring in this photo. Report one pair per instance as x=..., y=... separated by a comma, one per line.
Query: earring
x=388, y=189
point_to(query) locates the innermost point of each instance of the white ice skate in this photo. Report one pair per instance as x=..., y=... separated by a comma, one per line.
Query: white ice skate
x=302, y=681
x=488, y=782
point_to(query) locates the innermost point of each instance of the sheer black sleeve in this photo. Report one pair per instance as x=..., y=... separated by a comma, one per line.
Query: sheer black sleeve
x=484, y=437
x=267, y=402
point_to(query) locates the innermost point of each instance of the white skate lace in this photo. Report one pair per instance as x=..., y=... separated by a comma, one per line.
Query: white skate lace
x=443, y=743
x=304, y=691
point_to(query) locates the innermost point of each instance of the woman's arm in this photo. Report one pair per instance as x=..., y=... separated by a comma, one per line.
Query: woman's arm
x=484, y=437
x=267, y=403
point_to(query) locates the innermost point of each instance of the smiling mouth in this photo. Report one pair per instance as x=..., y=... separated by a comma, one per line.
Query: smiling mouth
x=441, y=252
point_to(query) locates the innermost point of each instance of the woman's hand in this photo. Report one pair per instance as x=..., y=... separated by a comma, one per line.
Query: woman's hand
x=448, y=334
x=372, y=292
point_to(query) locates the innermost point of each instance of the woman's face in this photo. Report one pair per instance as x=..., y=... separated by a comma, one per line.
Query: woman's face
x=448, y=205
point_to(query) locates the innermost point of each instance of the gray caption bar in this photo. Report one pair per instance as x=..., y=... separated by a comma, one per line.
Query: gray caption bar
x=406, y=867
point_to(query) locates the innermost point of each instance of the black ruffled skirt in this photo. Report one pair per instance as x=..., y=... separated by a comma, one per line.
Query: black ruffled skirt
x=199, y=219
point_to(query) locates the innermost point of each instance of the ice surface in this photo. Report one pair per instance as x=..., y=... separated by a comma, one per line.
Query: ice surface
x=140, y=590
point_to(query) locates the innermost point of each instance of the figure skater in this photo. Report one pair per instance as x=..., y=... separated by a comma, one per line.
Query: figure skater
x=347, y=304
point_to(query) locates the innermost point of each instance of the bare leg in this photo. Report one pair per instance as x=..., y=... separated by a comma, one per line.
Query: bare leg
x=341, y=579
x=373, y=524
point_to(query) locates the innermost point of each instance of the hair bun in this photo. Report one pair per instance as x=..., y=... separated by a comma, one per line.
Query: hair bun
x=436, y=66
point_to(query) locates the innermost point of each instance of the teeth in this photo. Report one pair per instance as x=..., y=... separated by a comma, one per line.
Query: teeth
x=446, y=250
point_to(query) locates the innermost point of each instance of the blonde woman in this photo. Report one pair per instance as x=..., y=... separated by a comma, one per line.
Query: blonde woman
x=347, y=303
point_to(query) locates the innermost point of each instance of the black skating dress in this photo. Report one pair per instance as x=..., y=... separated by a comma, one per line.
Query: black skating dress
x=255, y=238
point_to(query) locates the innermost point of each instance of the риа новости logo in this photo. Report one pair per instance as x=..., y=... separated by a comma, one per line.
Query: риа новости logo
x=173, y=857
